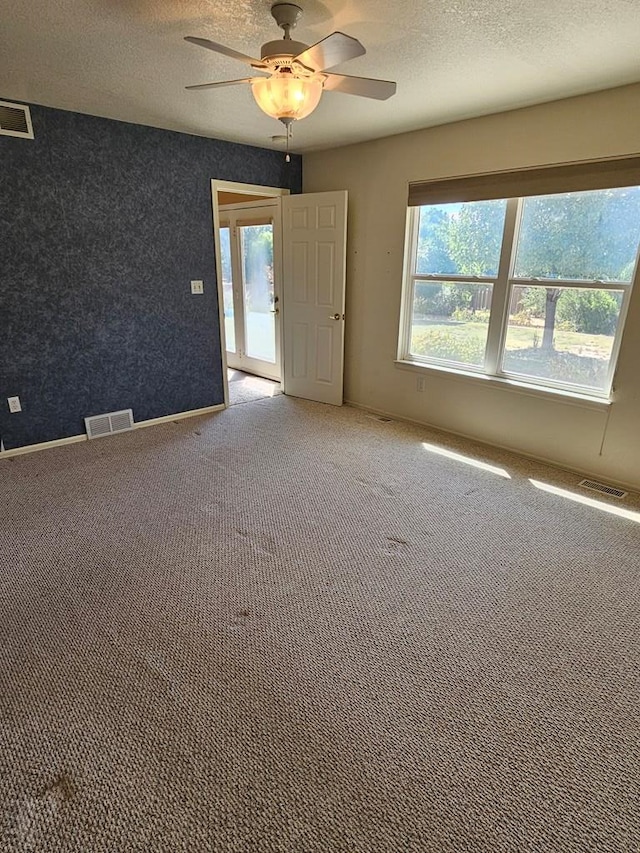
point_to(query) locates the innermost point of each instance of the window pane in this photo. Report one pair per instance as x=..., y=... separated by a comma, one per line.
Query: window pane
x=590, y=235
x=227, y=289
x=257, y=276
x=460, y=239
x=563, y=334
x=450, y=321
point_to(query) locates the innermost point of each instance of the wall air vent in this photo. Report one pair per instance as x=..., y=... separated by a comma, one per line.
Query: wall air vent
x=15, y=120
x=593, y=486
x=98, y=426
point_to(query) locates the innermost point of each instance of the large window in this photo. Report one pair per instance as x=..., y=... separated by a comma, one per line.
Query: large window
x=533, y=289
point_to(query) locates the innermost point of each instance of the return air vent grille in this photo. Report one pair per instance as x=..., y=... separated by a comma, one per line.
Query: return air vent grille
x=593, y=486
x=15, y=120
x=100, y=425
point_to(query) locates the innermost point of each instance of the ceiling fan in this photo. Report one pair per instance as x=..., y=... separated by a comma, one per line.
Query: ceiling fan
x=298, y=74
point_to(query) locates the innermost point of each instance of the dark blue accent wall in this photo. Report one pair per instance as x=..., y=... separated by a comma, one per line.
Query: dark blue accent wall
x=103, y=225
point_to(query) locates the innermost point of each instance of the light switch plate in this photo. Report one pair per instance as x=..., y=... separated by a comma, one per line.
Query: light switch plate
x=14, y=404
x=197, y=287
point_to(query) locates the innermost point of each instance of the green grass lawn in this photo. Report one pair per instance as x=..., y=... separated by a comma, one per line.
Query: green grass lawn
x=523, y=337
x=576, y=358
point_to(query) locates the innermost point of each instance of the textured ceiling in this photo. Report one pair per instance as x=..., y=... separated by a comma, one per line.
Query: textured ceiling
x=452, y=59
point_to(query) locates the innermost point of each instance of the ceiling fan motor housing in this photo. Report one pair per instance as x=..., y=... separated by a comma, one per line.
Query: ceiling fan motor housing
x=282, y=48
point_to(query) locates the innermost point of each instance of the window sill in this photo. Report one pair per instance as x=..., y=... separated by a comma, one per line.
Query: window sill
x=503, y=384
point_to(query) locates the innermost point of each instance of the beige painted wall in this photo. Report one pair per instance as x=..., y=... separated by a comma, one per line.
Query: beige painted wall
x=604, y=442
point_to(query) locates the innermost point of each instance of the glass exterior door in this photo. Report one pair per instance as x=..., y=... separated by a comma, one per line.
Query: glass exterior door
x=249, y=287
x=256, y=249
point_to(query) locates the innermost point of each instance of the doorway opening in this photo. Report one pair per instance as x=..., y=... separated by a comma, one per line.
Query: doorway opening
x=248, y=259
x=283, y=302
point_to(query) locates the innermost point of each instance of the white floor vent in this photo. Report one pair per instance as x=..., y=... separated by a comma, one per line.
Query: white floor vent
x=381, y=418
x=100, y=425
x=15, y=120
x=593, y=486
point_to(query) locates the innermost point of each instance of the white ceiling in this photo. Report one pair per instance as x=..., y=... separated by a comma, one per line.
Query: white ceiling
x=452, y=59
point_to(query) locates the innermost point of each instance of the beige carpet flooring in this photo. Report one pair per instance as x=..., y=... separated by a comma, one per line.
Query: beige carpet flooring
x=287, y=627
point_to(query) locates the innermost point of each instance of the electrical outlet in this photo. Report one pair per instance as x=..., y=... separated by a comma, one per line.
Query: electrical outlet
x=420, y=383
x=14, y=404
x=197, y=287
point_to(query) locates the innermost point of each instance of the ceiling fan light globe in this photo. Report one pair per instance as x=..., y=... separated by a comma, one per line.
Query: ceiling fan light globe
x=287, y=95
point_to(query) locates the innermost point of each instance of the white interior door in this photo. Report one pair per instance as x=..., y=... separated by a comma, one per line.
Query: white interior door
x=314, y=232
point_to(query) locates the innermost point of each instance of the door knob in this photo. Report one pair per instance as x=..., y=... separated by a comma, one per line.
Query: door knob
x=334, y=316
x=275, y=311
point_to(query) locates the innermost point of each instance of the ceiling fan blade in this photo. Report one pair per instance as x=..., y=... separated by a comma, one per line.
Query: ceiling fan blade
x=331, y=51
x=366, y=87
x=220, y=84
x=226, y=51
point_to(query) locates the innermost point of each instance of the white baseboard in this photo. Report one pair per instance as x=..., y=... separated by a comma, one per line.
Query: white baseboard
x=552, y=463
x=192, y=413
x=44, y=445
x=74, y=439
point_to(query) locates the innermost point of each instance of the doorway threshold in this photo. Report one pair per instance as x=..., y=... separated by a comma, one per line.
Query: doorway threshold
x=245, y=388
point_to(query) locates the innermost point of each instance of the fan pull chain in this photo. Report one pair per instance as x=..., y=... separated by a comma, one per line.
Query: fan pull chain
x=287, y=158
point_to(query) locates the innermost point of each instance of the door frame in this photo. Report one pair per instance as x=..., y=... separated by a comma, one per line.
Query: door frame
x=242, y=189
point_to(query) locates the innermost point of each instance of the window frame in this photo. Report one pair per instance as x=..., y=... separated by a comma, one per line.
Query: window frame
x=502, y=288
